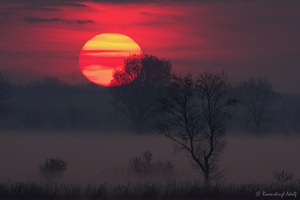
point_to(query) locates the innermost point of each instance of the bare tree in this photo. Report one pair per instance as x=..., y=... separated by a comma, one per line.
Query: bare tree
x=136, y=88
x=257, y=96
x=194, y=117
x=5, y=93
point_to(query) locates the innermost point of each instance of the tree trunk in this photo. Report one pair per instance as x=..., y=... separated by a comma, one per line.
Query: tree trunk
x=206, y=181
x=257, y=123
x=140, y=126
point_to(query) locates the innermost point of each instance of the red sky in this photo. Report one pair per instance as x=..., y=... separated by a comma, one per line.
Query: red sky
x=245, y=39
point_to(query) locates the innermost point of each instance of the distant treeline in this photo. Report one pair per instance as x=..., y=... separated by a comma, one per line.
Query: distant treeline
x=53, y=104
x=283, y=117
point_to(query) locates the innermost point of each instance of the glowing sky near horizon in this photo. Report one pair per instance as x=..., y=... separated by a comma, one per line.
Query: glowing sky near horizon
x=245, y=39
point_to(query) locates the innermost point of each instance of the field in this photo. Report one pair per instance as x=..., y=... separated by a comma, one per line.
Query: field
x=98, y=167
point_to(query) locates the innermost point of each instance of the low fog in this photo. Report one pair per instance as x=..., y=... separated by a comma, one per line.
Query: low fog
x=89, y=127
x=103, y=158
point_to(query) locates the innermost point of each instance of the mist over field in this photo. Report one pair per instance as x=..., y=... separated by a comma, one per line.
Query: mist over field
x=71, y=141
x=103, y=157
x=129, y=99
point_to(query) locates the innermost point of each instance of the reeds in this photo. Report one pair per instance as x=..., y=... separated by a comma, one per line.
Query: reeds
x=146, y=190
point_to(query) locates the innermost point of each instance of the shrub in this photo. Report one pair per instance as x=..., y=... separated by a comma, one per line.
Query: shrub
x=282, y=177
x=144, y=165
x=53, y=168
x=164, y=167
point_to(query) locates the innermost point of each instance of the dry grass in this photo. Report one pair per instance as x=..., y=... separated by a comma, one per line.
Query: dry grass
x=139, y=191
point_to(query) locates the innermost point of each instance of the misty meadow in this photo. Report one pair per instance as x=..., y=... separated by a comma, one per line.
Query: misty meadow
x=70, y=141
x=146, y=99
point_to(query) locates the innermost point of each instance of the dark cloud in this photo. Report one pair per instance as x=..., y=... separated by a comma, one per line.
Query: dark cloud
x=39, y=20
x=58, y=3
x=74, y=3
x=84, y=21
x=34, y=8
x=79, y=3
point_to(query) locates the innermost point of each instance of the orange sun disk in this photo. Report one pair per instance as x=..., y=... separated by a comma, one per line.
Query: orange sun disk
x=105, y=53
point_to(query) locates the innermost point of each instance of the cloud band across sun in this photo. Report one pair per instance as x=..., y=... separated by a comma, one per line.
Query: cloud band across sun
x=105, y=53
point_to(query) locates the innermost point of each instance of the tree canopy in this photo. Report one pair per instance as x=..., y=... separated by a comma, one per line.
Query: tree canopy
x=137, y=87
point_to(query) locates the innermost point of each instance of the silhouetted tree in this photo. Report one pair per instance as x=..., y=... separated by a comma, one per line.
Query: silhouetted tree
x=5, y=93
x=194, y=117
x=257, y=96
x=136, y=89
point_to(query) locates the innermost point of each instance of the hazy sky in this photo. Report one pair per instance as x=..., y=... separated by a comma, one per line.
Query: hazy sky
x=249, y=38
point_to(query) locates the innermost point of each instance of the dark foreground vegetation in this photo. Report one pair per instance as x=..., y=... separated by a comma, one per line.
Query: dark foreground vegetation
x=148, y=190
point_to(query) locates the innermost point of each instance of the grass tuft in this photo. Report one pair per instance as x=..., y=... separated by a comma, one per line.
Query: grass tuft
x=147, y=190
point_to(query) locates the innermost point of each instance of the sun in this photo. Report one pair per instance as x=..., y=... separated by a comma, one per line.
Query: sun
x=105, y=53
